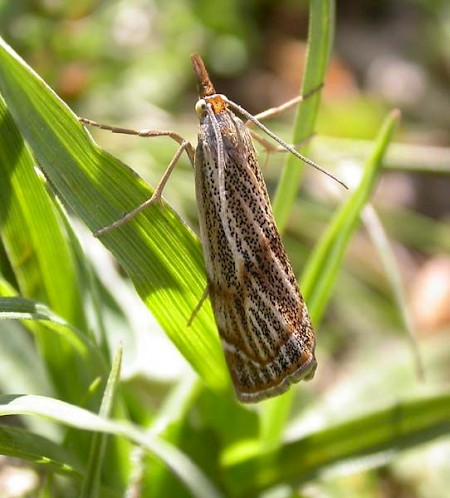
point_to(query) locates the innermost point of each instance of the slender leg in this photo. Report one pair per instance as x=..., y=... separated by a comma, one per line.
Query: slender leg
x=184, y=145
x=142, y=133
x=199, y=306
x=273, y=111
x=156, y=197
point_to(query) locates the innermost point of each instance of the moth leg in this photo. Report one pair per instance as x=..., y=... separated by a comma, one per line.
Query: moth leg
x=156, y=197
x=143, y=133
x=277, y=139
x=273, y=111
x=199, y=306
x=184, y=145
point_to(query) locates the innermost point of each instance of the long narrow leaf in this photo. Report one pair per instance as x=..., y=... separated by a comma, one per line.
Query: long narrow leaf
x=19, y=308
x=320, y=40
x=160, y=254
x=398, y=427
x=41, y=258
x=92, y=479
x=31, y=230
x=76, y=417
x=19, y=443
x=322, y=268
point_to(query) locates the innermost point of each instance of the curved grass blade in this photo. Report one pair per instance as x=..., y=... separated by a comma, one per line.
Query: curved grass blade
x=320, y=41
x=19, y=308
x=91, y=481
x=159, y=253
x=19, y=443
x=392, y=270
x=41, y=260
x=73, y=416
x=323, y=266
x=384, y=433
x=32, y=232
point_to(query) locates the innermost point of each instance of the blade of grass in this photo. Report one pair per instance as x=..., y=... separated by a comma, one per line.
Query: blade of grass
x=19, y=443
x=401, y=426
x=19, y=308
x=392, y=271
x=31, y=230
x=401, y=157
x=320, y=41
x=42, y=260
x=92, y=478
x=409, y=227
x=169, y=423
x=323, y=266
x=73, y=416
x=159, y=253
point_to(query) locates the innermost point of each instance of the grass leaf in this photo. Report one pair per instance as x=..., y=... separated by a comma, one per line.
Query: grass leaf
x=399, y=426
x=323, y=266
x=160, y=254
x=73, y=416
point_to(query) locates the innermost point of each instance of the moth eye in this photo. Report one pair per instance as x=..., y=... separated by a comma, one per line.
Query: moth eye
x=200, y=107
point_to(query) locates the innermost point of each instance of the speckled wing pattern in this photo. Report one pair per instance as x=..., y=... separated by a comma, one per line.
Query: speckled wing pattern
x=261, y=316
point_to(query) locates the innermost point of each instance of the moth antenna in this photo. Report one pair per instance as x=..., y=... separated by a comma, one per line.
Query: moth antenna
x=285, y=145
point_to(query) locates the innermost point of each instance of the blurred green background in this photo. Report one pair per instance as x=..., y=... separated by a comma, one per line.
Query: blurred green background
x=127, y=63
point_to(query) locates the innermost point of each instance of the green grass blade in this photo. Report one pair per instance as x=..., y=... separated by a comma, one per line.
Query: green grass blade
x=19, y=308
x=323, y=266
x=169, y=423
x=41, y=260
x=320, y=41
x=160, y=254
x=92, y=478
x=19, y=443
x=73, y=416
x=32, y=232
x=393, y=274
x=383, y=433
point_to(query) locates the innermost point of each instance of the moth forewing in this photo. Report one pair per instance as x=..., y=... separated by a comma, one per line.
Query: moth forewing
x=261, y=316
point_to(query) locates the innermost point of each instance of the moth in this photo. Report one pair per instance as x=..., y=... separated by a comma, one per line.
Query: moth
x=263, y=322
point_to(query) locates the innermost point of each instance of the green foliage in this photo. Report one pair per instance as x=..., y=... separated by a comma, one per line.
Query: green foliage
x=97, y=434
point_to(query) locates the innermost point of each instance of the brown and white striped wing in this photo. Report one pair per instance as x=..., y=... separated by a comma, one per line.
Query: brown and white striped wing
x=262, y=320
